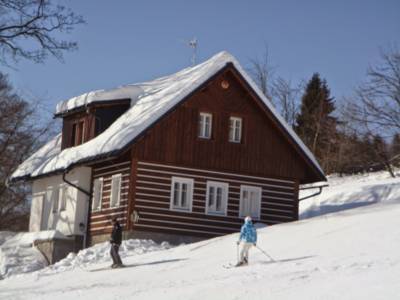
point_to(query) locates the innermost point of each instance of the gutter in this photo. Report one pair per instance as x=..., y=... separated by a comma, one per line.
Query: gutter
x=313, y=187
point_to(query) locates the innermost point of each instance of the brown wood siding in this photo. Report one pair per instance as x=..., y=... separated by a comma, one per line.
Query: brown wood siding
x=100, y=219
x=153, y=191
x=264, y=151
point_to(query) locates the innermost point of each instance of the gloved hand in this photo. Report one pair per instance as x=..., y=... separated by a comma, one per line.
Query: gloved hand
x=238, y=242
x=255, y=245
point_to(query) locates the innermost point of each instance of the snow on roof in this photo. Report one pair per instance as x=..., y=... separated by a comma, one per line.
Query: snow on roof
x=149, y=101
x=39, y=159
x=123, y=92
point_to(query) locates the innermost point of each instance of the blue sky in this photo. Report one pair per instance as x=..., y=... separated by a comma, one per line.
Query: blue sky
x=132, y=41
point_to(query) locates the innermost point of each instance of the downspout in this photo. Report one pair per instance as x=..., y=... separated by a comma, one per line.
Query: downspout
x=89, y=204
x=313, y=187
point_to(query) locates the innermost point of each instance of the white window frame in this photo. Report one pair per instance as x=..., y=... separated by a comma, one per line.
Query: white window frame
x=55, y=196
x=224, y=198
x=204, y=120
x=97, y=194
x=62, y=196
x=190, y=183
x=258, y=191
x=115, y=202
x=235, y=129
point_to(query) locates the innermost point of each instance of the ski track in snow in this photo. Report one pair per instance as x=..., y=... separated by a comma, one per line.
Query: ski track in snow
x=350, y=254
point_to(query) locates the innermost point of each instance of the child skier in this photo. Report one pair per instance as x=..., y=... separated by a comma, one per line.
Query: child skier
x=115, y=240
x=248, y=237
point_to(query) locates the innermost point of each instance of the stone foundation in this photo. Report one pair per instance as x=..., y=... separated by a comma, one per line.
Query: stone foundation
x=173, y=239
x=56, y=249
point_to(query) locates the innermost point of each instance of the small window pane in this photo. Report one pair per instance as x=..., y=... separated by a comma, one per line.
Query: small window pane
x=231, y=130
x=211, y=196
x=219, y=199
x=184, y=195
x=176, y=193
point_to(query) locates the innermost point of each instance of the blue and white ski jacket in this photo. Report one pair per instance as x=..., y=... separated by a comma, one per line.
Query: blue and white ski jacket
x=248, y=233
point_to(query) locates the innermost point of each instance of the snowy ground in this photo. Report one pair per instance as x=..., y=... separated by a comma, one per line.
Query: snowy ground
x=350, y=254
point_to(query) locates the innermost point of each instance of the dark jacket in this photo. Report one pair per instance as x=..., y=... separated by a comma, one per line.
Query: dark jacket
x=116, y=234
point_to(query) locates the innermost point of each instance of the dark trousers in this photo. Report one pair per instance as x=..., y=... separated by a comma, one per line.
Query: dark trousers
x=114, y=254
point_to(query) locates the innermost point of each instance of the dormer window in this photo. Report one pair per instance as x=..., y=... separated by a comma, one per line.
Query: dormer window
x=235, y=129
x=82, y=124
x=78, y=133
x=205, y=125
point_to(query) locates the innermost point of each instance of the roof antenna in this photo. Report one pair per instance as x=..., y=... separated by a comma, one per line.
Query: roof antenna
x=193, y=44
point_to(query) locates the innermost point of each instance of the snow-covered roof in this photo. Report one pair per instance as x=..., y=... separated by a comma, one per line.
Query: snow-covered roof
x=131, y=91
x=149, y=101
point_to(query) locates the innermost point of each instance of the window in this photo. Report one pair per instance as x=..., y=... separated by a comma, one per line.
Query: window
x=217, y=197
x=78, y=133
x=250, y=201
x=81, y=132
x=97, y=194
x=63, y=194
x=235, y=129
x=55, y=197
x=181, y=194
x=74, y=134
x=115, y=190
x=205, y=125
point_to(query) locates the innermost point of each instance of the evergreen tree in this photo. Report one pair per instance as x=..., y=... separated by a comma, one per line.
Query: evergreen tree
x=314, y=124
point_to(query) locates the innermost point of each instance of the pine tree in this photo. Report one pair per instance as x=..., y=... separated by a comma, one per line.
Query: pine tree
x=314, y=124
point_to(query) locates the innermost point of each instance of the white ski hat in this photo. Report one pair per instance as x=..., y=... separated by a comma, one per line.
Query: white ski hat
x=247, y=219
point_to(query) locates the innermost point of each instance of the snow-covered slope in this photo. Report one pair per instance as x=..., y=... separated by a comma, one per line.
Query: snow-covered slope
x=350, y=254
x=350, y=192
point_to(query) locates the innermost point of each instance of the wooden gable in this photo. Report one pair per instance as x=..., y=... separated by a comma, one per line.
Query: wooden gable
x=265, y=150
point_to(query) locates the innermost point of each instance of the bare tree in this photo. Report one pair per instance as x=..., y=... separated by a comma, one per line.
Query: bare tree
x=375, y=108
x=263, y=73
x=377, y=104
x=286, y=99
x=28, y=29
x=21, y=132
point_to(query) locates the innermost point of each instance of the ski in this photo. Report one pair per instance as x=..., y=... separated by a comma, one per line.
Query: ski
x=231, y=265
x=108, y=268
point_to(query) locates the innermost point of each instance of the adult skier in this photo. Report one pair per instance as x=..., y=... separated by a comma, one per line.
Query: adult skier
x=116, y=239
x=248, y=238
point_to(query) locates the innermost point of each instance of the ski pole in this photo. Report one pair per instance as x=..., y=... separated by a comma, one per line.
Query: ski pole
x=265, y=253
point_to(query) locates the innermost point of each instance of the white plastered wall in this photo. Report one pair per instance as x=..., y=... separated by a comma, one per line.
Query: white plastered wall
x=66, y=221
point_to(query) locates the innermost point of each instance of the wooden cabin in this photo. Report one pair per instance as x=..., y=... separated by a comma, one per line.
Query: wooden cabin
x=181, y=158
